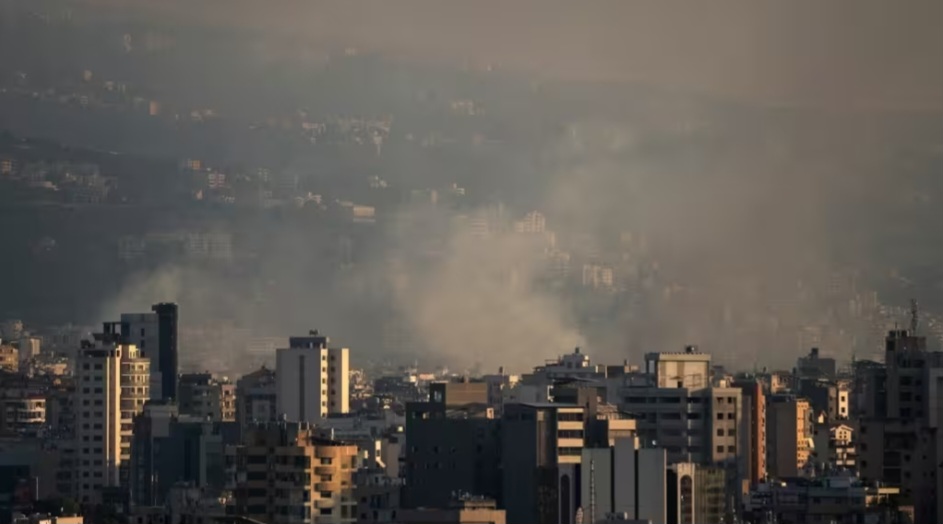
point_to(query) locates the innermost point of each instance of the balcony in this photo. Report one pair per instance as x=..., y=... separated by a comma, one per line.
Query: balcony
x=325, y=470
x=324, y=503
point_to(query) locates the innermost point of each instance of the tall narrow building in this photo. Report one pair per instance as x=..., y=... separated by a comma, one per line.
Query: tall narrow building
x=312, y=380
x=112, y=385
x=753, y=436
x=790, y=436
x=899, y=432
x=155, y=335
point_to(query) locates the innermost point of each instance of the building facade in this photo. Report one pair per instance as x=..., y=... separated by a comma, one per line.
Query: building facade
x=312, y=380
x=790, y=436
x=282, y=473
x=112, y=385
x=206, y=397
x=155, y=335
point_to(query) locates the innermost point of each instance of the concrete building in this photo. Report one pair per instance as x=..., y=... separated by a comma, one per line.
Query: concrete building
x=830, y=499
x=169, y=450
x=677, y=409
x=312, y=380
x=151, y=425
x=204, y=396
x=282, y=473
x=789, y=426
x=623, y=479
x=575, y=365
x=378, y=495
x=467, y=511
x=833, y=446
x=452, y=446
x=256, y=397
x=9, y=358
x=899, y=429
x=21, y=414
x=112, y=385
x=542, y=447
x=155, y=335
x=753, y=438
x=815, y=366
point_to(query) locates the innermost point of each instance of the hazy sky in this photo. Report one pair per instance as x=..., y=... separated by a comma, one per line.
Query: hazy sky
x=838, y=53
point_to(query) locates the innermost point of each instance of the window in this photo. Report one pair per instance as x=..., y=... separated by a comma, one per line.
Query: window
x=731, y=449
x=326, y=461
x=720, y=449
x=732, y=432
x=720, y=432
x=720, y=416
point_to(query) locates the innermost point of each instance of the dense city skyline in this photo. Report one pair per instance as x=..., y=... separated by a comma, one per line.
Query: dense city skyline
x=312, y=262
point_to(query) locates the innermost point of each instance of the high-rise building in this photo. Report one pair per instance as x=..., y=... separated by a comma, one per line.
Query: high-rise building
x=112, y=385
x=899, y=430
x=542, y=448
x=155, y=335
x=679, y=410
x=452, y=446
x=206, y=397
x=283, y=474
x=169, y=449
x=789, y=426
x=312, y=380
x=256, y=397
x=753, y=438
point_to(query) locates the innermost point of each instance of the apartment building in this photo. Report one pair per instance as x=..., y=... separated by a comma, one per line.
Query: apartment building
x=789, y=426
x=282, y=473
x=542, y=447
x=255, y=397
x=312, y=380
x=899, y=430
x=206, y=397
x=112, y=385
x=678, y=409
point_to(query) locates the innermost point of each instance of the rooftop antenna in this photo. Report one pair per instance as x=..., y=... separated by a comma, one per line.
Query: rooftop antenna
x=914, y=316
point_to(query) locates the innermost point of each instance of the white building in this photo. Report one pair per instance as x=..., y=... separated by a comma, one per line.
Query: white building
x=312, y=380
x=112, y=385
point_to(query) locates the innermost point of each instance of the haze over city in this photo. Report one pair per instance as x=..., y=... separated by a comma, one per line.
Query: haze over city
x=459, y=191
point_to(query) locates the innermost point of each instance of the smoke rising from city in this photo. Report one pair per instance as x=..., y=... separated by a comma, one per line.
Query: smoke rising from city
x=708, y=175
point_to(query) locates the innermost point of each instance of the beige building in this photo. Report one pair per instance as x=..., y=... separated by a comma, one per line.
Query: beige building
x=470, y=511
x=112, y=385
x=204, y=396
x=9, y=358
x=19, y=414
x=789, y=431
x=312, y=380
x=834, y=446
x=283, y=473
